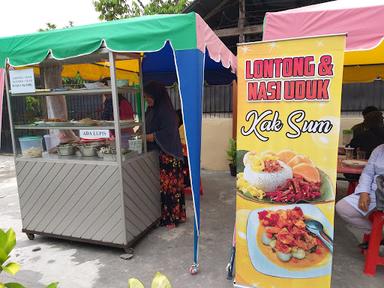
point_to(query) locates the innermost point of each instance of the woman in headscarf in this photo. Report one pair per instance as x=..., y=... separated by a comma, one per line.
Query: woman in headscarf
x=163, y=135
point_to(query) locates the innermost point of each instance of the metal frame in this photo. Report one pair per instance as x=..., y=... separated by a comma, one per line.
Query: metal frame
x=10, y=112
x=127, y=247
x=95, y=92
x=142, y=104
x=116, y=117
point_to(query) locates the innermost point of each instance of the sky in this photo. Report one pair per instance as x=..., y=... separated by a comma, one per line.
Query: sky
x=27, y=16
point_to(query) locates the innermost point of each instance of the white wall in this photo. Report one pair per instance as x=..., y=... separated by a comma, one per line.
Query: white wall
x=347, y=122
x=215, y=136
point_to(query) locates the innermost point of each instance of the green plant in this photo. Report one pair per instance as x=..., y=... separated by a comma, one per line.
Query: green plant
x=159, y=281
x=32, y=105
x=7, y=243
x=75, y=82
x=231, y=151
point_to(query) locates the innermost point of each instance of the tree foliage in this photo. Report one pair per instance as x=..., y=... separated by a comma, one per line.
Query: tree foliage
x=52, y=26
x=119, y=9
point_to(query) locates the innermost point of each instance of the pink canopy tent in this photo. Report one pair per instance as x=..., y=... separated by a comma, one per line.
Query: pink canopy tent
x=361, y=20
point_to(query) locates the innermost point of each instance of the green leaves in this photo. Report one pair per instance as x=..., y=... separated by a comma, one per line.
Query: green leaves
x=7, y=243
x=7, y=240
x=119, y=9
x=159, y=281
x=231, y=151
x=14, y=285
x=135, y=283
x=11, y=268
x=3, y=257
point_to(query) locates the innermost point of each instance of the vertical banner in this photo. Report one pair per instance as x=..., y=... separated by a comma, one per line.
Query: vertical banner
x=289, y=100
x=2, y=73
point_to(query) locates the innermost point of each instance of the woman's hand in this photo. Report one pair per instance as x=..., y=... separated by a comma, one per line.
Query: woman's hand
x=150, y=137
x=364, y=201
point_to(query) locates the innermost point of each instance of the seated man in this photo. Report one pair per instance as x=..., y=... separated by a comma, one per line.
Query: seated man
x=361, y=127
x=372, y=134
x=355, y=208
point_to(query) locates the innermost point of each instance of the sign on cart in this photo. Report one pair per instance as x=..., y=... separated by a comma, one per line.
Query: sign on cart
x=94, y=134
x=22, y=81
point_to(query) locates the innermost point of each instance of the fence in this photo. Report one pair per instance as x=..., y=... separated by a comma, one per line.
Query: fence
x=217, y=101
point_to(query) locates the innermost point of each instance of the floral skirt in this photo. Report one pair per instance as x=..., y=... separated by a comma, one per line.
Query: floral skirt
x=171, y=190
x=187, y=181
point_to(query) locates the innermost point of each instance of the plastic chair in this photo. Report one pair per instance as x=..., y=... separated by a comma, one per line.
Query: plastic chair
x=372, y=255
x=351, y=187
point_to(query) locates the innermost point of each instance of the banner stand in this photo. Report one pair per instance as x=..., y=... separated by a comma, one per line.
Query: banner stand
x=289, y=100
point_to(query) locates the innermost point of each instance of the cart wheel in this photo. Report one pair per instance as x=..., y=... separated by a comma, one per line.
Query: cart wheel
x=194, y=269
x=31, y=236
x=129, y=250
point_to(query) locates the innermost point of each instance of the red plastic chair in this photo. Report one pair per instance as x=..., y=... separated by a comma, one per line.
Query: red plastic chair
x=372, y=255
x=351, y=187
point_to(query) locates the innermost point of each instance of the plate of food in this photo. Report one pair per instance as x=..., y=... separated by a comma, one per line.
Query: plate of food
x=283, y=177
x=355, y=163
x=88, y=122
x=279, y=244
x=54, y=122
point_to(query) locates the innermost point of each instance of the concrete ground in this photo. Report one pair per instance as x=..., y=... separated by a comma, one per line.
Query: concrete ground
x=170, y=252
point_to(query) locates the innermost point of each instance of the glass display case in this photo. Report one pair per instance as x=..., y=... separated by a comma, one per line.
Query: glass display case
x=82, y=165
x=86, y=130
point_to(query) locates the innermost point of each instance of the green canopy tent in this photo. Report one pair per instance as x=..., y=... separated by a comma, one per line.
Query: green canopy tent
x=171, y=43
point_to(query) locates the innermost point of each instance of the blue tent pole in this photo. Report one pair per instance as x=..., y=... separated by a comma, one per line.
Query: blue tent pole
x=190, y=72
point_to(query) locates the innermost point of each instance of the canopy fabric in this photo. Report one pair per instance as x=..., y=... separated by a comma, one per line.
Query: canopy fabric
x=359, y=19
x=148, y=33
x=363, y=74
x=176, y=47
x=156, y=66
x=145, y=34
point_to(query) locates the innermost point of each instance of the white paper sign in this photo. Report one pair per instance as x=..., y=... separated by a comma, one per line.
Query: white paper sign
x=22, y=81
x=94, y=134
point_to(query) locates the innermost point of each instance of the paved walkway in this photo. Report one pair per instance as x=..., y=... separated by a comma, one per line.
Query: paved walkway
x=86, y=266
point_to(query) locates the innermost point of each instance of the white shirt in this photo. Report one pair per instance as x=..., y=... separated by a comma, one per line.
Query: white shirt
x=367, y=181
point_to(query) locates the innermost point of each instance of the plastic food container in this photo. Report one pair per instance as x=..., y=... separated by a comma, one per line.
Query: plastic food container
x=94, y=85
x=122, y=83
x=125, y=137
x=51, y=141
x=136, y=145
x=31, y=146
x=65, y=150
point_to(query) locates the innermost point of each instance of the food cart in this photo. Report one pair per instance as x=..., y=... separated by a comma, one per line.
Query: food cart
x=110, y=199
x=112, y=202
